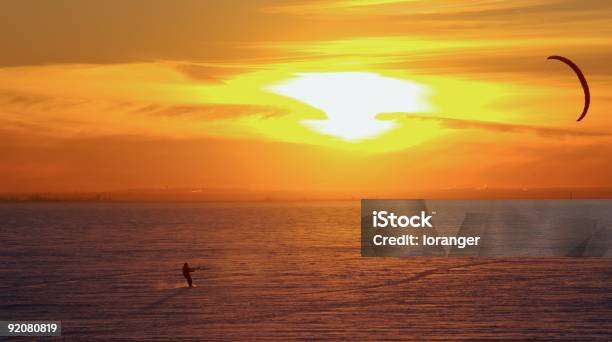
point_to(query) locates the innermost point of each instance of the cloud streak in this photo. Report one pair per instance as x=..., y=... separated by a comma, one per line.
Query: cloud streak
x=509, y=128
x=209, y=112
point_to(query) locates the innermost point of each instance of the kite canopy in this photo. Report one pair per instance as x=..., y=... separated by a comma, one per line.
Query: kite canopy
x=583, y=82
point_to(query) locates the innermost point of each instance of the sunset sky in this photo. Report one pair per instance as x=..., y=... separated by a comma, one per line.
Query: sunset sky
x=352, y=97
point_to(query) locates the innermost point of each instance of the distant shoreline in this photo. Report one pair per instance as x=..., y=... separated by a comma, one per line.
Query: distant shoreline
x=218, y=195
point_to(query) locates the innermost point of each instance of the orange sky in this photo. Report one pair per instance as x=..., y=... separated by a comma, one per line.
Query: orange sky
x=354, y=97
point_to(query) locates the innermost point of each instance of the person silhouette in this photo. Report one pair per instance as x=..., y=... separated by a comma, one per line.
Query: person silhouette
x=186, y=273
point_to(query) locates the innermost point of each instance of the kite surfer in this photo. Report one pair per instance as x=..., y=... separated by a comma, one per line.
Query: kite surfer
x=186, y=273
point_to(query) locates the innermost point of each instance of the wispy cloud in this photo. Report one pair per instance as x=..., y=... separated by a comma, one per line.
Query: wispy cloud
x=510, y=128
x=209, y=112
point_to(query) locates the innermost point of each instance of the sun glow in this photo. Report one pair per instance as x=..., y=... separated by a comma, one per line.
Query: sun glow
x=352, y=100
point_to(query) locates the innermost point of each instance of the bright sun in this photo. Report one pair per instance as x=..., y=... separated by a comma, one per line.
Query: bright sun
x=352, y=100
